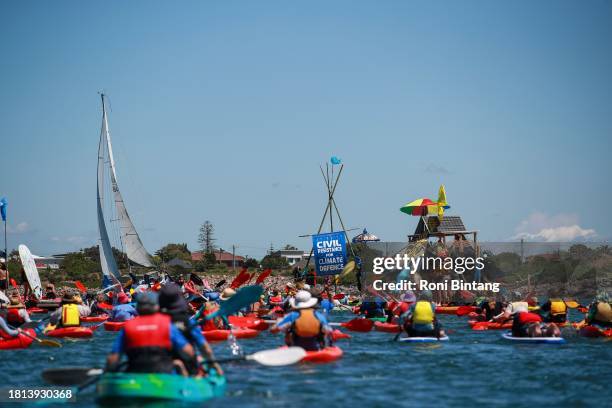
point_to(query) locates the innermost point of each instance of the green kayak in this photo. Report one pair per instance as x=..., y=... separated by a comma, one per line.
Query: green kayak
x=378, y=319
x=118, y=387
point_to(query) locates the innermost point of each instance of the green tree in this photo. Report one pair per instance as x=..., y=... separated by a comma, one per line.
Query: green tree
x=206, y=237
x=171, y=251
x=274, y=261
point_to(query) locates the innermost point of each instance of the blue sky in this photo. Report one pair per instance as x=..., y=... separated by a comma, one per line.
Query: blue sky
x=224, y=111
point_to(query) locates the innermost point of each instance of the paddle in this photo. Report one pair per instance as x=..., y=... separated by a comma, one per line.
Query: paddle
x=243, y=298
x=42, y=342
x=80, y=286
x=221, y=283
x=86, y=376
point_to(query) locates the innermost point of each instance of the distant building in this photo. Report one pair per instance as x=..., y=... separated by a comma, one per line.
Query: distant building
x=365, y=236
x=52, y=262
x=292, y=256
x=223, y=257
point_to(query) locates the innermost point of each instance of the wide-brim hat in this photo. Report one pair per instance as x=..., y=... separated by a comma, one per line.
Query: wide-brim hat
x=303, y=300
x=227, y=293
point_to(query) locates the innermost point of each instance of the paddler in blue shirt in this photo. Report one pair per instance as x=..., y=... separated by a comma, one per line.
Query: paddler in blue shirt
x=123, y=310
x=305, y=327
x=150, y=341
x=420, y=319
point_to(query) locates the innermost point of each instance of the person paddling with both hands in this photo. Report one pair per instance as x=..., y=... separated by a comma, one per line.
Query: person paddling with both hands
x=304, y=326
x=420, y=319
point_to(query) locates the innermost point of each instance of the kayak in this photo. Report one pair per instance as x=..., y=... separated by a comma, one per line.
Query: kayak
x=326, y=355
x=221, y=335
x=34, y=310
x=452, y=310
x=593, y=331
x=536, y=340
x=137, y=387
x=89, y=319
x=248, y=322
x=19, y=342
x=113, y=326
x=78, y=332
x=339, y=335
x=378, y=319
x=387, y=327
x=422, y=339
x=489, y=325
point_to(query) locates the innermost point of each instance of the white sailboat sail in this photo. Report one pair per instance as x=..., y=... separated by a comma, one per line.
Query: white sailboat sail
x=107, y=260
x=132, y=244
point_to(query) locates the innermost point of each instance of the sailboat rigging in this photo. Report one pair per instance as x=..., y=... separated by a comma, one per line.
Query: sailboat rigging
x=129, y=238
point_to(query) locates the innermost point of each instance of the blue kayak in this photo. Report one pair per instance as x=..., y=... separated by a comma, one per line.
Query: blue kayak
x=422, y=339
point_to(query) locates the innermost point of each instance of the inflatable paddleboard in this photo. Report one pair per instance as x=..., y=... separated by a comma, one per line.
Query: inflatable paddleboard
x=29, y=266
x=422, y=339
x=536, y=340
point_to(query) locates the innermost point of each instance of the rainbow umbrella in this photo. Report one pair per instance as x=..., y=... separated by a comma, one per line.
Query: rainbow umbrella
x=422, y=206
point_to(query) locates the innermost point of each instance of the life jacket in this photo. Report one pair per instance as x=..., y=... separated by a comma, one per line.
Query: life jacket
x=604, y=312
x=306, y=331
x=148, y=344
x=528, y=317
x=13, y=317
x=423, y=313
x=557, y=307
x=105, y=306
x=276, y=299
x=70, y=315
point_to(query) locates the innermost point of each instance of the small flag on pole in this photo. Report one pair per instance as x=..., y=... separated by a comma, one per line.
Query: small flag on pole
x=3, y=205
x=335, y=160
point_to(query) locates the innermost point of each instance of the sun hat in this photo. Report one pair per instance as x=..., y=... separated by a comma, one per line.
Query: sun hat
x=227, y=293
x=302, y=300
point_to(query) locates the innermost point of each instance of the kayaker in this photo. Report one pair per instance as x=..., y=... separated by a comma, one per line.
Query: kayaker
x=101, y=306
x=489, y=309
x=6, y=332
x=123, y=310
x=50, y=293
x=16, y=314
x=511, y=309
x=325, y=306
x=3, y=275
x=172, y=303
x=420, y=319
x=67, y=315
x=529, y=324
x=371, y=308
x=305, y=327
x=600, y=311
x=554, y=310
x=150, y=340
x=84, y=309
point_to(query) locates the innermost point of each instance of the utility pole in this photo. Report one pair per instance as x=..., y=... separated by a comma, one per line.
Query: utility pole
x=234, y=258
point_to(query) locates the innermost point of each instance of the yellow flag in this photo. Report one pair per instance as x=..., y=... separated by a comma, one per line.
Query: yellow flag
x=441, y=202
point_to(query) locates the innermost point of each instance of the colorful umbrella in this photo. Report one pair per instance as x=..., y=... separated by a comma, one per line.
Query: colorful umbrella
x=422, y=206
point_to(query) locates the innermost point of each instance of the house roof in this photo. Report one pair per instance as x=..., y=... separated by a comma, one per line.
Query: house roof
x=219, y=256
x=431, y=225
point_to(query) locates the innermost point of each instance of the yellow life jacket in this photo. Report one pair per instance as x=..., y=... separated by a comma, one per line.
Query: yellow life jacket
x=307, y=325
x=423, y=313
x=557, y=307
x=70, y=315
x=604, y=312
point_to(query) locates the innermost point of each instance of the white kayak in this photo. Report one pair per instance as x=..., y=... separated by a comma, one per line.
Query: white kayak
x=29, y=267
x=422, y=339
x=536, y=340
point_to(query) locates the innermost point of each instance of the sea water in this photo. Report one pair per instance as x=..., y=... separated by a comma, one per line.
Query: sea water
x=475, y=368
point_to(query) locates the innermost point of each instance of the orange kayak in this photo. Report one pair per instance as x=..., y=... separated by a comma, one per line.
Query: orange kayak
x=387, y=327
x=72, y=332
x=340, y=335
x=113, y=326
x=325, y=355
x=221, y=335
x=248, y=322
x=593, y=331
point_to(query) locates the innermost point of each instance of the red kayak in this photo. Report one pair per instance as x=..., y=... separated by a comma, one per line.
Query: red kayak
x=476, y=325
x=248, y=322
x=72, y=332
x=452, y=310
x=113, y=326
x=325, y=355
x=339, y=335
x=221, y=335
x=89, y=319
x=34, y=310
x=20, y=342
x=593, y=331
x=387, y=327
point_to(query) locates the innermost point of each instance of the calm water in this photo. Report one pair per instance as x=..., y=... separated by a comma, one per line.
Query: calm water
x=474, y=368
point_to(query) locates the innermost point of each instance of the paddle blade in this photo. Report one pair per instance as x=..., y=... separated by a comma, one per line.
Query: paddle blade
x=262, y=276
x=359, y=325
x=49, y=343
x=70, y=375
x=221, y=283
x=243, y=298
x=278, y=357
x=80, y=286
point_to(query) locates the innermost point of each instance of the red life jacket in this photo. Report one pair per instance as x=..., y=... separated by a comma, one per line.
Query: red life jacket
x=148, y=344
x=103, y=305
x=528, y=317
x=14, y=318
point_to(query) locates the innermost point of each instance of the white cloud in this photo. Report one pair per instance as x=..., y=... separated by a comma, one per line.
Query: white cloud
x=20, y=228
x=556, y=228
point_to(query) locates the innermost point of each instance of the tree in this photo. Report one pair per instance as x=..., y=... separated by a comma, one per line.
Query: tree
x=171, y=251
x=274, y=261
x=289, y=247
x=251, y=263
x=206, y=237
